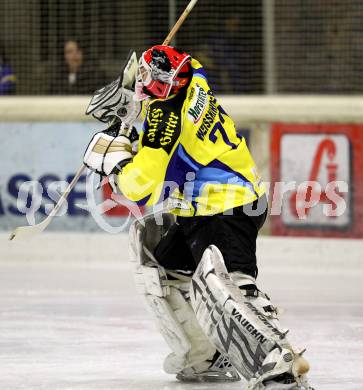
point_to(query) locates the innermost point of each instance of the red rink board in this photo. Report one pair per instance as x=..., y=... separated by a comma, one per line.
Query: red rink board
x=320, y=152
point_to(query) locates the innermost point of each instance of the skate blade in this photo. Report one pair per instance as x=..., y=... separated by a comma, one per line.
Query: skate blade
x=210, y=378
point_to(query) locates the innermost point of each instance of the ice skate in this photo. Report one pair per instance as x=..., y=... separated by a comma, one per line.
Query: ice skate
x=219, y=370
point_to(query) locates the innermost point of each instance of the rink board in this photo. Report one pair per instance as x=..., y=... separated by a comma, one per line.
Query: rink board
x=38, y=160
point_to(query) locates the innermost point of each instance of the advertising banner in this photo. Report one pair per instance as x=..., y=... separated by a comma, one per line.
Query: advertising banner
x=38, y=160
x=317, y=180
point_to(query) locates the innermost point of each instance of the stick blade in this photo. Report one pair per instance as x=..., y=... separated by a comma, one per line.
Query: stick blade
x=28, y=231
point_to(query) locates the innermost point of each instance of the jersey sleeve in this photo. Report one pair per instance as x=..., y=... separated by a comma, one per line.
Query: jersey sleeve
x=142, y=180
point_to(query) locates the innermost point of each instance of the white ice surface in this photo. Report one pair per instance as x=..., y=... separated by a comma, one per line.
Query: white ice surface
x=70, y=317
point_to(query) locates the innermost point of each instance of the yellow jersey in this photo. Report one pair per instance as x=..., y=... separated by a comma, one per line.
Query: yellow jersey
x=189, y=151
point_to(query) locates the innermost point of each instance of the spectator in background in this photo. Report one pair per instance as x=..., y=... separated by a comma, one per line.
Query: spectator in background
x=7, y=77
x=75, y=76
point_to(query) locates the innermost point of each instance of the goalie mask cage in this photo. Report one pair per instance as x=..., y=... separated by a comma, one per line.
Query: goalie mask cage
x=246, y=46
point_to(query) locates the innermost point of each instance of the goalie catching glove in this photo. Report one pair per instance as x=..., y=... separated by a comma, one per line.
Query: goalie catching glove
x=117, y=98
x=108, y=152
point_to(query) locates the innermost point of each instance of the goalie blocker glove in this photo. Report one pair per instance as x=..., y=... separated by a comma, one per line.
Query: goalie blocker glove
x=108, y=152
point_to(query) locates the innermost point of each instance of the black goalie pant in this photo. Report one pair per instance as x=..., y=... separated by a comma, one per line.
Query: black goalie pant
x=234, y=233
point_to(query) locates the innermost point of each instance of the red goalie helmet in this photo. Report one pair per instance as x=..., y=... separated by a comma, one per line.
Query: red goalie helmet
x=162, y=70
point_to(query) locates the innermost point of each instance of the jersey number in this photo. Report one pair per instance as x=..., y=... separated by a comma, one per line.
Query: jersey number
x=218, y=127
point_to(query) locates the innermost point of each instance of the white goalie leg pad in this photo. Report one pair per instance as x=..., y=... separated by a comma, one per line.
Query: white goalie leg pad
x=144, y=235
x=168, y=300
x=241, y=325
x=180, y=329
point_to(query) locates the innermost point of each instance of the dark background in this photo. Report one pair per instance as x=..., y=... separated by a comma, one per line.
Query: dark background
x=317, y=44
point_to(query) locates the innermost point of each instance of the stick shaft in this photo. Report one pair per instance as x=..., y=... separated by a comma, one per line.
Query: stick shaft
x=179, y=22
x=65, y=194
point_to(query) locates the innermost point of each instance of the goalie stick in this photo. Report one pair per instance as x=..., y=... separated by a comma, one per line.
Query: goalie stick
x=26, y=231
